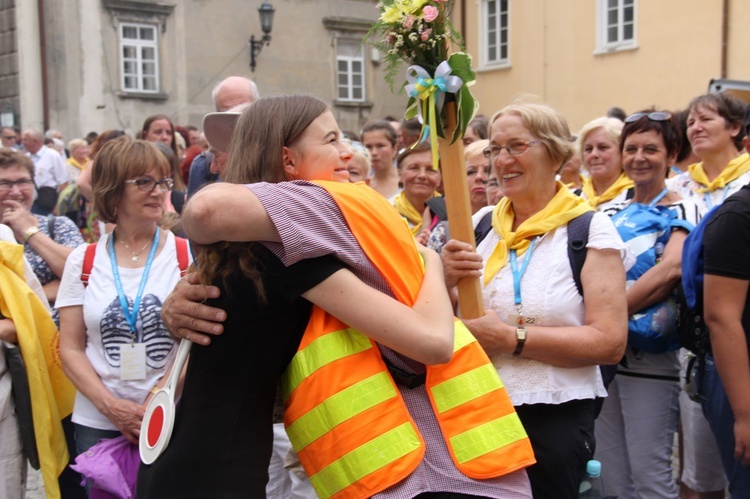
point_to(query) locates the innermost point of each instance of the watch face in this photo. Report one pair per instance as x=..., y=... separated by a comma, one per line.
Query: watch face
x=521, y=334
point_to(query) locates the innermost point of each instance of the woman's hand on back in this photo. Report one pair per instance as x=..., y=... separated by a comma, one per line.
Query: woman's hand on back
x=185, y=314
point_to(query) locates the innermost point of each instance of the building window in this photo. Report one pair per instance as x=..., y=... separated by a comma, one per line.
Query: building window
x=139, y=63
x=616, y=24
x=496, y=31
x=350, y=72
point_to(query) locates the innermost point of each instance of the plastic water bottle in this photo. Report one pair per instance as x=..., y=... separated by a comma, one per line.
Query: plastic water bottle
x=591, y=486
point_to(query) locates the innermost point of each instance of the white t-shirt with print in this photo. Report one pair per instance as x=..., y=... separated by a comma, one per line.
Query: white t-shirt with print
x=550, y=296
x=107, y=329
x=687, y=188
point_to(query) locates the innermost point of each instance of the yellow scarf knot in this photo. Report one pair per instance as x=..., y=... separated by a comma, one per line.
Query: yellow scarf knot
x=621, y=184
x=562, y=208
x=735, y=169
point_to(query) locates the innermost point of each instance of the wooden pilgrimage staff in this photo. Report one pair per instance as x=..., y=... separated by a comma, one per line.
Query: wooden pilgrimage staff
x=453, y=164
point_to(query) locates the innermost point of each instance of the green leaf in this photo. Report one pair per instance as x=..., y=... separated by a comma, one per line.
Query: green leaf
x=460, y=64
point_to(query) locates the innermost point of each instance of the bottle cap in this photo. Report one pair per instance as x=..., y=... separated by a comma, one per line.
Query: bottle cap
x=594, y=468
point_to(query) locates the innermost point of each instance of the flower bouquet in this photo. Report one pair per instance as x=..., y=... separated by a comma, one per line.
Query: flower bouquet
x=419, y=32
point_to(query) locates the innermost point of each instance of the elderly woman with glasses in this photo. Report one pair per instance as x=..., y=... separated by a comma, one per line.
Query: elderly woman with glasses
x=113, y=344
x=635, y=429
x=544, y=340
x=47, y=240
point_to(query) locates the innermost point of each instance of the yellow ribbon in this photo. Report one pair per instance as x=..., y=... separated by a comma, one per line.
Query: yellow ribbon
x=735, y=169
x=622, y=183
x=561, y=209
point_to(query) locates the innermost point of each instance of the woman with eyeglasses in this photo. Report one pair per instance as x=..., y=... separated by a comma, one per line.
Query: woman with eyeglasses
x=635, y=430
x=607, y=183
x=544, y=340
x=47, y=240
x=113, y=344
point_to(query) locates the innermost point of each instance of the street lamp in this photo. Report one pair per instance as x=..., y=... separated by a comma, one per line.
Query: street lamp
x=265, y=11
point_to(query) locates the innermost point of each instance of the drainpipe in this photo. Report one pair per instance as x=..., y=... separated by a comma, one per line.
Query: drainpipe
x=724, y=36
x=462, y=28
x=43, y=57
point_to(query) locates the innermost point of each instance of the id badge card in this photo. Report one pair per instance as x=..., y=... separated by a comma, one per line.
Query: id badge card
x=520, y=321
x=132, y=361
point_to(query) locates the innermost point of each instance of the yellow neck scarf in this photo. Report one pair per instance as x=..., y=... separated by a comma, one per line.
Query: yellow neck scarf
x=622, y=183
x=72, y=161
x=735, y=169
x=407, y=210
x=562, y=208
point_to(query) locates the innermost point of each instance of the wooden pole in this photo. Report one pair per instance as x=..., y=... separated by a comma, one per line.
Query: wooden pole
x=459, y=209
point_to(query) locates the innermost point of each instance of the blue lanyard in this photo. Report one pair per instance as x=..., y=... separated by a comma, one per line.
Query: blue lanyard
x=517, y=275
x=658, y=198
x=131, y=315
x=707, y=197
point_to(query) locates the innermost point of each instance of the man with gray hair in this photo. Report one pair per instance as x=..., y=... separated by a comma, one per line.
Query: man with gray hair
x=50, y=175
x=227, y=94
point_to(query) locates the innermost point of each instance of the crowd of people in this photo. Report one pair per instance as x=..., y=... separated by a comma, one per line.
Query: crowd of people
x=331, y=358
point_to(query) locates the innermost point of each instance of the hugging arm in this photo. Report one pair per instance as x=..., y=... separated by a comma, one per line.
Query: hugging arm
x=227, y=212
x=423, y=332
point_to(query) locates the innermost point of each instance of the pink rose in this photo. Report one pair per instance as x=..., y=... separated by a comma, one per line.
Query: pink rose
x=408, y=22
x=426, y=34
x=429, y=13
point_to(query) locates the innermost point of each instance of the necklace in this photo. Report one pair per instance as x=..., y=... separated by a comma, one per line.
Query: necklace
x=135, y=255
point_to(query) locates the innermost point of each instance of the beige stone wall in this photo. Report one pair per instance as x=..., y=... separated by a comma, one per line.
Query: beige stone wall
x=553, y=55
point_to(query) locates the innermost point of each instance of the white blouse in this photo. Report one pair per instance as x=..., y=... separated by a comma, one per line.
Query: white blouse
x=549, y=295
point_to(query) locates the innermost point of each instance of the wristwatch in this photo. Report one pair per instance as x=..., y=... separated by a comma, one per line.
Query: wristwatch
x=30, y=232
x=521, y=339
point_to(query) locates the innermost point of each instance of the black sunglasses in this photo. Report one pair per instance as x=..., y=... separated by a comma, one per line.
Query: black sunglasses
x=653, y=116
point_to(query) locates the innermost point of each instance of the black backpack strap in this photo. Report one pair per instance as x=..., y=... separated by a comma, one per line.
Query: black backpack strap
x=438, y=208
x=483, y=228
x=51, y=226
x=578, y=238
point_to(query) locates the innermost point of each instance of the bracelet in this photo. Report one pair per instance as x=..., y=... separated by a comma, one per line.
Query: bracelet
x=30, y=232
x=155, y=390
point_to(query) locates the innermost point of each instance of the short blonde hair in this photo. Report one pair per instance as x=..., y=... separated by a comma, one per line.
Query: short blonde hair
x=611, y=126
x=75, y=144
x=117, y=161
x=546, y=124
x=476, y=149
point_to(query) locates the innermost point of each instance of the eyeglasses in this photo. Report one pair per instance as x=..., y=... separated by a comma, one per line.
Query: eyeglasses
x=9, y=137
x=24, y=183
x=147, y=184
x=654, y=116
x=514, y=148
x=492, y=183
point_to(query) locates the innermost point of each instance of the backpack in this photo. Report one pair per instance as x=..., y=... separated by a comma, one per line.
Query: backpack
x=691, y=326
x=181, y=246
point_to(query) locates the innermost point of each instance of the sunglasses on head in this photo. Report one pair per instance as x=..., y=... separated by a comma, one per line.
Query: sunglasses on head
x=653, y=116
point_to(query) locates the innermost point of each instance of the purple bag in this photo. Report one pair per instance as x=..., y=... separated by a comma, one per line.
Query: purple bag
x=111, y=467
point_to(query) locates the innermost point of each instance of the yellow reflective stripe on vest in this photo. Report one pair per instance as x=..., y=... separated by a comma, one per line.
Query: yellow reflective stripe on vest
x=487, y=438
x=462, y=336
x=339, y=408
x=365, y=459
x=466, y=387
x=323, y=351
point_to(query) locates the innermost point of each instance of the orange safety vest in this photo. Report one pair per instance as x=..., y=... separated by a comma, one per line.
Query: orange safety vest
x=343, y=412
